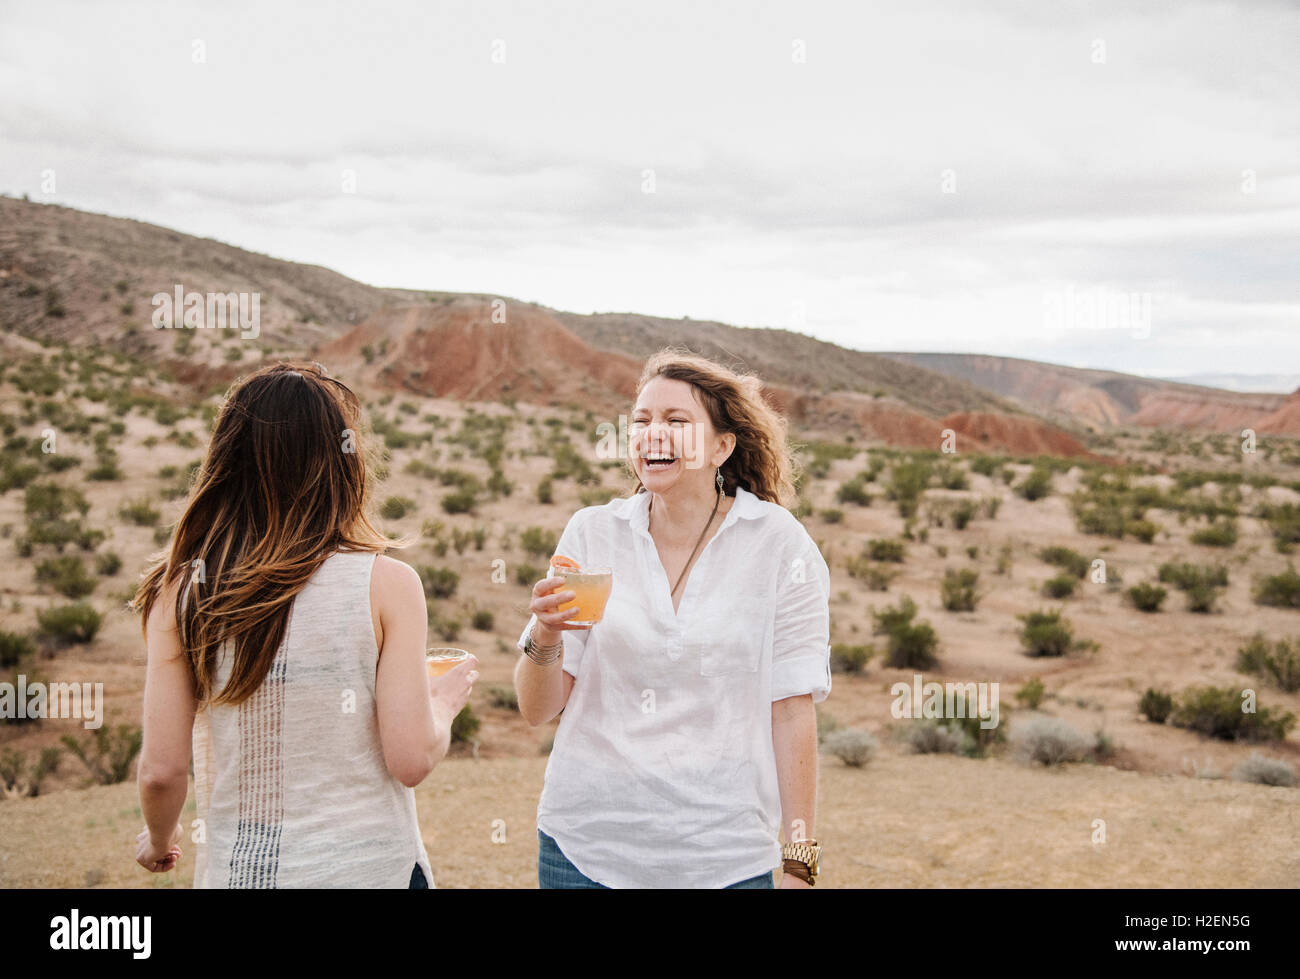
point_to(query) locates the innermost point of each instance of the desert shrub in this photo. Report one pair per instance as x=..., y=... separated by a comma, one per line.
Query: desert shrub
x=526, y=574
x=545, y=491
x=1143, y=530
x=1049, y=740
x=854, y=748
x=885, y=550
x=853, y=491
x=1063, y=557
x=108, y=564
x=1284, y=522
x=20, y=778
x=963, y=513
x=501, y=695
x=1045, y=633
x=1036, y=485
x=1156, y=705
x=958, y=589
x=1278, y=662
x=1219, y=533
x=1280, y=590
x=1061, y=586
x=1031, y=693
x=1265, y=771
x=460, y=501
x=927, y=736
x=889, y=617
x=67, y=575
x=908, y=481
x=465, y=725
x=537, y=542
x=846, y=658
x=139, y=513
x=108, y=754
x=952, y=477
x=912, y=646
x=66, y=624
x=1146, y=597
x=832, y=515
x=1217, y=712
x=396, y=507
x=483, y=620
x=14, y=648
x=438, y=582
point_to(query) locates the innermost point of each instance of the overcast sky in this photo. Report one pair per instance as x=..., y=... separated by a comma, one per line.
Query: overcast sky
x=1105, y=184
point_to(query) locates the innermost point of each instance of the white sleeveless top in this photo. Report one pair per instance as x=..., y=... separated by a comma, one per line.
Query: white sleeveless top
x=291, y=785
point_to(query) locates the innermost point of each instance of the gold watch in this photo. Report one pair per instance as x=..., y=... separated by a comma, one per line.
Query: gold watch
x=806, y=852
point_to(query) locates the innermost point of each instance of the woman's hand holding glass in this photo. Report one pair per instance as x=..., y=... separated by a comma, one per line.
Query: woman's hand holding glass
x=545, y=603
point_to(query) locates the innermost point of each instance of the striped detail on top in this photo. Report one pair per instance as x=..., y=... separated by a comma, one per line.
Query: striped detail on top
x=255, y=856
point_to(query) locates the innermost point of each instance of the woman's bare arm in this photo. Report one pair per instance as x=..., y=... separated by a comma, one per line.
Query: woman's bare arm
x=169, y=704
x=543, y=691
x=794, y=739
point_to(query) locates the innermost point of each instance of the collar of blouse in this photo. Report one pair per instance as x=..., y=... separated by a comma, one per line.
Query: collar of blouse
x=637, y=510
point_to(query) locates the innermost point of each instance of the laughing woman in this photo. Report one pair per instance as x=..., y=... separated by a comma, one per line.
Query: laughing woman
x=688, y=740
x=288, y=651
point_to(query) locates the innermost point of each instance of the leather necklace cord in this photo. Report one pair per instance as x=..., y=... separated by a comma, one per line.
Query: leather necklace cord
x=699, y=541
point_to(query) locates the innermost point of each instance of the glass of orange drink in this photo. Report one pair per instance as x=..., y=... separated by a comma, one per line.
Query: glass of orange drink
x=439, y=659
x=591, y=588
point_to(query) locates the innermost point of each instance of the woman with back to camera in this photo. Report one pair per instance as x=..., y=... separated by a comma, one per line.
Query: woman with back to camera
x=294, y=662
x=688, y=740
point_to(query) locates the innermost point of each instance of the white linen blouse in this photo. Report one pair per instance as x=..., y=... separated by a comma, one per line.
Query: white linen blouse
x=663, y=772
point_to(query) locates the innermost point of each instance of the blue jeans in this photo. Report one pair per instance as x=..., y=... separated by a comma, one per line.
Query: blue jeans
x=555, y=872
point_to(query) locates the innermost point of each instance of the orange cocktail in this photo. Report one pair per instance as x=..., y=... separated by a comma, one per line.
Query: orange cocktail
x=440, y=659
x=591, y=588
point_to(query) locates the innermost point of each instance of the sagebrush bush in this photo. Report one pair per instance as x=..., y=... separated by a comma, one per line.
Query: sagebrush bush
x=1277, y=661
x=846, y=658
x=537, y=542
x=67, y=575
x=1046, y=633
x=1036, y=485
x=1217, y=534
x=140, y=513
x=396, y=507
x=14, y=648
x=1049, y=740
x=854, y=748
x=1279, y=590
x=465, y=725
x=66, y=624
x=1156, y=705
x=1068, y=560
x=927, y=736
x=885, y=550
x=438, y=582
x=1031, y=693
x=1146, y=597
x=1062, y=586
x=958, y=589
x=1217, y=712
x=500, y=695
x=483, y=620
x=109, y=753
x=1263, y=770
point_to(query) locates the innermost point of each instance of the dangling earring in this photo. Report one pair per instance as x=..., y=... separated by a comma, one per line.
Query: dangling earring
x=718, y=480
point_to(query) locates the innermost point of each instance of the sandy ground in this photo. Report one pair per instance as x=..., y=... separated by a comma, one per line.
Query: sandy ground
x=900, y=821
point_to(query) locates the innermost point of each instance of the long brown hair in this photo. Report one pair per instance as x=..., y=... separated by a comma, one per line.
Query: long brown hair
x=285, y=483
x=762, y=461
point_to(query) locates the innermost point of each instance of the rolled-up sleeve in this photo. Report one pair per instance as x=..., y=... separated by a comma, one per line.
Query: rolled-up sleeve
x=801, y=652
x=571, y=545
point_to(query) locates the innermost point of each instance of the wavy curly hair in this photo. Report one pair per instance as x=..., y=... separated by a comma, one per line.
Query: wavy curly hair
x=762, y=460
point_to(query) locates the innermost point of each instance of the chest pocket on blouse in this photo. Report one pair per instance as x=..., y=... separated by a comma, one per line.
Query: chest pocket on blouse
x=732, y=641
